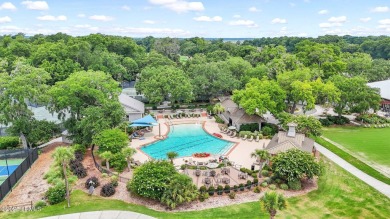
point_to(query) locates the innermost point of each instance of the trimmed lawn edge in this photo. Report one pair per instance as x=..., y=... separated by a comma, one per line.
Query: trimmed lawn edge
x=352, y=160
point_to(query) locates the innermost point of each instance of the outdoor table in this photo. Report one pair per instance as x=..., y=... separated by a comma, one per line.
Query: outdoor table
x=226, y=180
x=207, y=180
x=212, y=165
x=197, y=172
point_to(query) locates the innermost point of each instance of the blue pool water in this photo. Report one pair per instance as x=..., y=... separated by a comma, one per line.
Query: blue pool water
x=187, y=139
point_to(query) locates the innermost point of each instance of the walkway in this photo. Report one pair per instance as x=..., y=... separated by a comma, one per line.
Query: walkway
x=376, y=184
x=102, y=215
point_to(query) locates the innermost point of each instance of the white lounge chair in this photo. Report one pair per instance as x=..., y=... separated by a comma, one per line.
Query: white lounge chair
x=257, y=139
x=244, y=138
x=251, y=138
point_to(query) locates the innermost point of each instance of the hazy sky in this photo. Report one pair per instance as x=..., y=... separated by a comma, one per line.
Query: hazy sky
x=188, y=18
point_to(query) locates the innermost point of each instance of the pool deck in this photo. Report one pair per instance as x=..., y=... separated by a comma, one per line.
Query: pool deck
x=239, y=153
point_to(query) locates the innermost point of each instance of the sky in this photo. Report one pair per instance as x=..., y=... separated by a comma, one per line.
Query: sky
x=203, y=18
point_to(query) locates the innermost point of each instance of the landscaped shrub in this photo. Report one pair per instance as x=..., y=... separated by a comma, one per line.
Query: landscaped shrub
x=104, y=175
x=252, y=127
x=202, y=189
x=265, y=172
x=40, y=204
x=56, y=194
x=326, y=122
x=268, y=180
x=203, y=196
x=219, y=190
x=295, y=185
x=246, y=170
x=227, y=189
x=78, y=169
x=151, y=179
x=338, y=120
x=79, y=156
x=211, y=190
x=114, y=180
x=277, y=181
x=8, y=142
x=235, y=188
x=248, y=184
x=218, y=119
x=118, y=162
x=264, y=184
x=283, y=186
x=254, y=175
x=371, y=119
x=107, y=190
x=257, y=189
x=267, y=167
x=95, y=181
x=232, y=195
x=255, y=181
x=272, y=187
x=242, y=187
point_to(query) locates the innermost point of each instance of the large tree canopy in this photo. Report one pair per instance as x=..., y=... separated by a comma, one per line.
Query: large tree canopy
x=260, y=96
x=165, y=82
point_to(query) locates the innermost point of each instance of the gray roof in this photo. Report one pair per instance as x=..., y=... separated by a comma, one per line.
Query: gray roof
x=131, y=103
x=281, y=142
x=237, y=114
x=384, y=87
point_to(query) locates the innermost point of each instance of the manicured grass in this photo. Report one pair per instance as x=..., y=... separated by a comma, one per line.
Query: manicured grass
x=340, y=195
x=353, y=160
x=372, y=143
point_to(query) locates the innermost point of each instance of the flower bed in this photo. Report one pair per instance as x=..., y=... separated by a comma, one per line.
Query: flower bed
x=201, y=154
x=217, y=135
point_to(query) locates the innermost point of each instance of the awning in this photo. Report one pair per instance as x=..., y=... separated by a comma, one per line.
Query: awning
x=145, y=120
x=140, y=125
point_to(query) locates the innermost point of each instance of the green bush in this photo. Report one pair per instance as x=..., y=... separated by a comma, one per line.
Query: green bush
x=56, y=194
x=255, y=181
x=371, y=119
x=326, y=122
x=232, y=195
x=218, y=119
x=118, y=162
x=235, y=188
x=79, y=148
x=277, y=181
x=265, y=172
x=268, y=180
x=114, y=180
x=267, y=131
x=257, y=189
x=295, y=185
x=202, y=189
x=8, y=142
x=283, y=186
x=242, y=187
x=40, y=204
x=252, y=127
x=254, y=175
x=264, y=184
x=227, y=189
x=211, y=190
x=95, y=181
x=272, y=187
x=338, y=120
x=203, y=196
x=151, y=179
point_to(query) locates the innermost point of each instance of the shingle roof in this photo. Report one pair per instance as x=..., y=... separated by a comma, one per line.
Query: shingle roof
x=281, y=142
x=131, y=103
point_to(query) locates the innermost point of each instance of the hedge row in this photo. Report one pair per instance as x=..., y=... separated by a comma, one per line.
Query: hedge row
x=9, y=142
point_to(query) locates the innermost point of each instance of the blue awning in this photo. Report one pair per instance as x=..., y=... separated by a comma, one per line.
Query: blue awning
x=140, y=125
x=147, y=119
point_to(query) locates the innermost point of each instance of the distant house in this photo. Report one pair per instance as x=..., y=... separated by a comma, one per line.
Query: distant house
x=384, y=87
x=284, y=141
x=134, y=109
x=236, y=116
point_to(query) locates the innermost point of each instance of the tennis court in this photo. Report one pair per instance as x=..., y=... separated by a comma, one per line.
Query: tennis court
x=12, y=165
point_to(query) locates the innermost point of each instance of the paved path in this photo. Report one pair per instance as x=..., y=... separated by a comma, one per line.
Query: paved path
x=59, y=139
x=376, y=184
x=102, y=215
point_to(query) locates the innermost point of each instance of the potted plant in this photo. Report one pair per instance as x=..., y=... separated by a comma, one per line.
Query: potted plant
x=219, y=190
x=211, y=190
x=241, y=187
x=202, y=189
x=227, y=189
x=249, y=184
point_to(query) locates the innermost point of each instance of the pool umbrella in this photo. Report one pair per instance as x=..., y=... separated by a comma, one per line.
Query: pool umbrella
x=232, y=127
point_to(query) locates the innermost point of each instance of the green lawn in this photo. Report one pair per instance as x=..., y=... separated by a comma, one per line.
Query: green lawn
x=340, y=195
x=371, y=143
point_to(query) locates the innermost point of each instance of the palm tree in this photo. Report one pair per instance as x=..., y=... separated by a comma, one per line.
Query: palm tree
x=262, y=156
x=62, y=156
x=271, y=202
x=218, y=108
x=128, y=152
x=180, y=190
x=172, y=155
x=107, y=155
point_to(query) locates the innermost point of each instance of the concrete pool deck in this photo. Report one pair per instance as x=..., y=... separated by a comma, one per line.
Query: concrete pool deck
x=239, y=153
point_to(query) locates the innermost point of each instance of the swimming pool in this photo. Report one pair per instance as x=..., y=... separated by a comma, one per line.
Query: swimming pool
x=187, y=139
